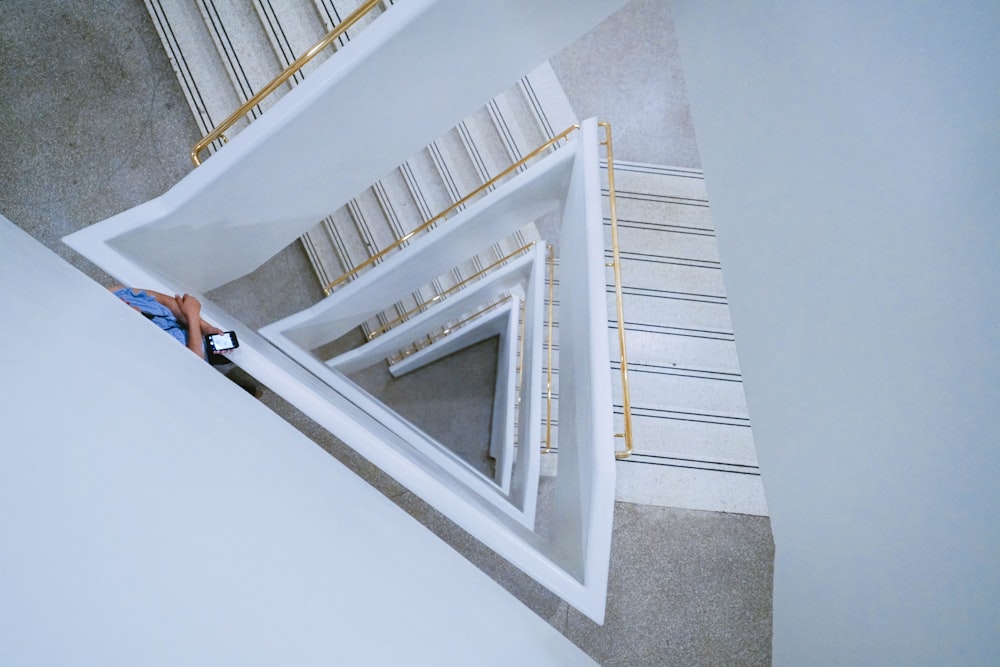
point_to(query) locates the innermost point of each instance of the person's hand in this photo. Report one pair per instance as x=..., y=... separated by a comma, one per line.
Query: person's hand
x=190, y=306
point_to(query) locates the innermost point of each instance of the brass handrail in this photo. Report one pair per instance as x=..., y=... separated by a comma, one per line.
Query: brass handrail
x=446, y=330
x=488, y=184
x=616, y=262
x=289, y=72
x=434, y=299
x=548, y=382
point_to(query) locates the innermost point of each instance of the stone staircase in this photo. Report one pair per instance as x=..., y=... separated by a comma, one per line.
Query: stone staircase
x=691, y=430
x=224, y=52
x=693, y=446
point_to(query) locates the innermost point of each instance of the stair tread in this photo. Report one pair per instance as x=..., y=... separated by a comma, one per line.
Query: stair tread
x=292, y=27
x=704, y=443
x=238, y=34
x=196, y=62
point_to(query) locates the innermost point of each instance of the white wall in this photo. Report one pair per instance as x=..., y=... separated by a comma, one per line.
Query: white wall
x=852, y=156
x=153, y=513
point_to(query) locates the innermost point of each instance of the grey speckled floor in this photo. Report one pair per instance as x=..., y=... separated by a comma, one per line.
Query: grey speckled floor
x=450, y=400
x=92, y=122
x=627, y=71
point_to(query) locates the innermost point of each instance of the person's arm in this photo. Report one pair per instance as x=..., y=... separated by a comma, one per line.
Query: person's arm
x=174, y=305
x=190, y=307
x=171, y=303
x=189, y=316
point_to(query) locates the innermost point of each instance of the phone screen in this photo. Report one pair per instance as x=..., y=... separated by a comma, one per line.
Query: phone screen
x=223, y=341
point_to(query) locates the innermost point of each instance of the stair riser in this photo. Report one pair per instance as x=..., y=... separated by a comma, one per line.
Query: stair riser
x=661, y=392
x=684, y=440
x=659, y=213
x=237, y=32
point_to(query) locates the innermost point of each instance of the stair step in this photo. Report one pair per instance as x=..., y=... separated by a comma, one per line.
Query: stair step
x=661, y=389
x=402, y=211
x=455, y=166
x=293, y=27
x=321, y=248
x=197, y=63
x=696, y=439
x=514, y=119
x=697, y=436
x=656, y=180
x=547, y=99
x=485, y=145
x=690, y=484
x=656, y=239
x=654, y=346
x=651, y=273
x=696, y=461
x=658, y=349
x=688, y=219
x=238, y=34
x=371, y=221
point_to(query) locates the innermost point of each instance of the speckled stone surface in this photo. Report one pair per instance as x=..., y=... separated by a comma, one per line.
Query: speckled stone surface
x=451, y=399
x=627, y=70
x=91, y=118
x=685, y=587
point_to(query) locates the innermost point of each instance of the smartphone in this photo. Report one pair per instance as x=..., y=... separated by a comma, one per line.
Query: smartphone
x=221, y=342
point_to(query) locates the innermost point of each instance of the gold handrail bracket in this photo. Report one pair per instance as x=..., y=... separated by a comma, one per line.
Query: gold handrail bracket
x=617, y=265
x=285, y=75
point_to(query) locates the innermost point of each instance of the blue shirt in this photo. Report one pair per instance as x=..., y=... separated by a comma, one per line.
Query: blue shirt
x=155, y=311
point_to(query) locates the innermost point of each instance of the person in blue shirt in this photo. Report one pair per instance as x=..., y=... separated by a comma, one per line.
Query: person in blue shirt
x=179, y=315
